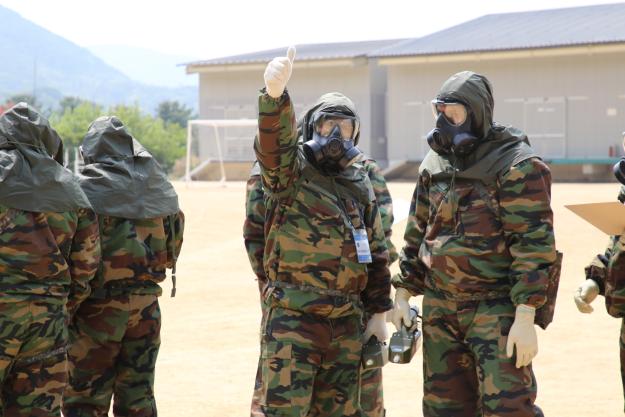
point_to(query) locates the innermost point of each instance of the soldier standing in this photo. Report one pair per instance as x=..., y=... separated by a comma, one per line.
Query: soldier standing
x=606, y=276
x=479, y=247
x=49, y=251
x=116, y=332
x=325, y=256
x=371, y=388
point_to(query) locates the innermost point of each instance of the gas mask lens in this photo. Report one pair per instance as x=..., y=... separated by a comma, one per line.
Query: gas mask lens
x=455, y=113
x=325, y=124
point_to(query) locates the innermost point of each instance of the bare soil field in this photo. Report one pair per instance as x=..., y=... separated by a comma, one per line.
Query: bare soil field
x=209, y=350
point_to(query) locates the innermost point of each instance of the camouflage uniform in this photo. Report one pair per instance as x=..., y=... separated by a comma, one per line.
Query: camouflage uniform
x=312, y=327
x=608, y=271
x=371, y=389
x=116, y=332
x=47, y=259
x=479, y=240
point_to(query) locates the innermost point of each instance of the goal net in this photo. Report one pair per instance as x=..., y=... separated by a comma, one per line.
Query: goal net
x=213, y=143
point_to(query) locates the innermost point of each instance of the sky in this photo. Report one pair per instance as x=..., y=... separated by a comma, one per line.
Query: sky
x=216, y=28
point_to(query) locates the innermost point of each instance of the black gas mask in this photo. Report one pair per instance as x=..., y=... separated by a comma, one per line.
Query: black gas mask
x=452, y=134
x=619, y=170
x=332, y=144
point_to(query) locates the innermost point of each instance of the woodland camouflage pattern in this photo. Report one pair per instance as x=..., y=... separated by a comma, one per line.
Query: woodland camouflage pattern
x=608, y=271
x=476, y=246
x=371, y=399
x=307, y=301
x=115, y=343
x=136, y=252
x=46, y=262
x=116, y=332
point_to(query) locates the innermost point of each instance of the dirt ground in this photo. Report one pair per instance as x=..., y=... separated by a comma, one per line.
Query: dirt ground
x=209, y=350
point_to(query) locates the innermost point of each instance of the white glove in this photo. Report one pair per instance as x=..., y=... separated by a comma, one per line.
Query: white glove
x=523, y=336
x=376, y=326
x=586, y=294
x=278, y=72
x=401, y=308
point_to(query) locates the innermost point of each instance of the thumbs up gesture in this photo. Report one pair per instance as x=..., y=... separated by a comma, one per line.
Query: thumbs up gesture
x=278, y=72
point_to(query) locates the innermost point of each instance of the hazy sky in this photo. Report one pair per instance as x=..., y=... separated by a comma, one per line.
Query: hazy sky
x=212, y=28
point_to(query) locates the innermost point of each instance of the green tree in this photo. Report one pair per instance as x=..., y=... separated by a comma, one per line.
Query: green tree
x=70, y=102
x=72, y=123
x=166, y=141
x=171, y=111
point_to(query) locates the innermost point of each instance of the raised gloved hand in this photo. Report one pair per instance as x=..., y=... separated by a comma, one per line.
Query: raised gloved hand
x=523, y=336
x=401, y=308
x=376, y=326
x=586, y=294
x=278, y=72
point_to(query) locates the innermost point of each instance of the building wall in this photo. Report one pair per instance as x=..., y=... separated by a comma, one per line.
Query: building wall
x=233, y=94
x=571, y=107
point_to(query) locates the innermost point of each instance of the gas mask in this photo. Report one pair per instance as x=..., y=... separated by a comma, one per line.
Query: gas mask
x=332, y=146
x=452, y=134
x=619, y=170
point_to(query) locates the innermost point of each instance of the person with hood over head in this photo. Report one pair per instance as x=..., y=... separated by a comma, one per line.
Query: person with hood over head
x=480, y=248
x=49, y=252
x=605, y=275
x=116, y=331
x=371, y=389
x=325, y=257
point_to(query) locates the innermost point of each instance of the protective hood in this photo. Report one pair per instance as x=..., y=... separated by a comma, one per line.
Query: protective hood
x=475, y=92
x=32, y=177
x=120, y=177
x=331, y=103
x=500, y=147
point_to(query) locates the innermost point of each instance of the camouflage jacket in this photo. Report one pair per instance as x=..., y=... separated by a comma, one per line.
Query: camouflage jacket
x=135, y=253
x=51, y=256
x=310, y=253
x=608, y=271
x=481, y=241
x=253, y=227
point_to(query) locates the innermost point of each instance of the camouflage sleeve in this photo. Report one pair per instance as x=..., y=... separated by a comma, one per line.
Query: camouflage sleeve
x=412, y=271
x=376, y=295
x=84, y=258
x=276, y=142
x=253, y=227
x=175, y=237
x=598, y=268
x=385, y=205
x=527, y=222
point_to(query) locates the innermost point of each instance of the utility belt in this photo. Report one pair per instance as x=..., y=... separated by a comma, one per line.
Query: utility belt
x=307, y=299
x=486, y=295
x=115, y=289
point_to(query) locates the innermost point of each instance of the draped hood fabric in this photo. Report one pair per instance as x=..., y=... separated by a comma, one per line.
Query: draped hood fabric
x=120, y=177
x=331, y=103
x=32, y=177
x=500, y=146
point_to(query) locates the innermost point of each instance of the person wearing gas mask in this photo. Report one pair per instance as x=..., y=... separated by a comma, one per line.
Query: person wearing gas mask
x=49, y=254
x=325, y=256
x=479, y=247
x=371, y=389
x=605, y=275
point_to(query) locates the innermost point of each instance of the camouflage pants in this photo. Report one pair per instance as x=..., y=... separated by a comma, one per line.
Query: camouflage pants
x=310, y=365
x=466, y=371
x=115, y=342
x=371, y=392
x=33, y=359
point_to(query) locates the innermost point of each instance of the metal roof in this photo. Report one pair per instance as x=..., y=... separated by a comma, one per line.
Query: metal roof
x=305, y=52
x=587, y=25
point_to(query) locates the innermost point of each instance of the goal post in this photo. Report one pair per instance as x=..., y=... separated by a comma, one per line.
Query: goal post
x=218, y=141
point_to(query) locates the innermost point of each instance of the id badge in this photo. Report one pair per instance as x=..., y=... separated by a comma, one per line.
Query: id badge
x=362, y=246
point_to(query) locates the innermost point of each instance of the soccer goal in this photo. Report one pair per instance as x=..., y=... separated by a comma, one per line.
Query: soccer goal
x=216, y=142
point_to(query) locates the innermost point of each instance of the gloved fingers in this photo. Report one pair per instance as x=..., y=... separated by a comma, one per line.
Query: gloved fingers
x=406, y=318
x=381, y=333
x=290, y=53
x=367, y=335
x=397, y=319
x=509, y=346
x=582, y=306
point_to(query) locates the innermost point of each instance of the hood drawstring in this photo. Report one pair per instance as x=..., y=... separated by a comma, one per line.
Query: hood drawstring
x=453, y=196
